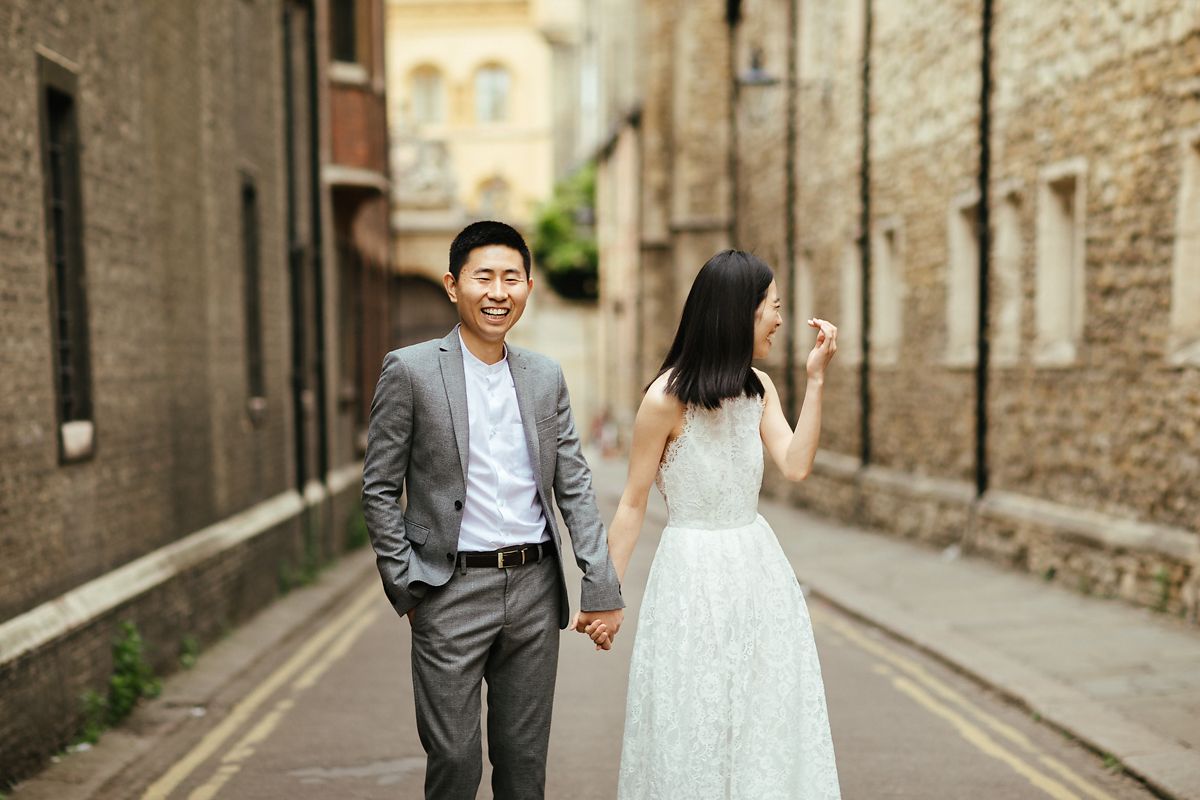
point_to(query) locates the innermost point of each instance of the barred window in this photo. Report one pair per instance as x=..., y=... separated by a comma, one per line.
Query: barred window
x=64, y=249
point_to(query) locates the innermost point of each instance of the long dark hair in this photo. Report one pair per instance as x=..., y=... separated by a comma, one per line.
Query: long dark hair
x=714, y=344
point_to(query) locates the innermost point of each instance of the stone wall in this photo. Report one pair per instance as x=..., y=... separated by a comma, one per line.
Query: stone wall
x=1092, y=467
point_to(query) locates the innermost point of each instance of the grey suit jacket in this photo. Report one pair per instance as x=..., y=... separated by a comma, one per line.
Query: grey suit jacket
x=418, y=441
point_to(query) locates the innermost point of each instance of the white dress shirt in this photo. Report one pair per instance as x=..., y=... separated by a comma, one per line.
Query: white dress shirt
x=502, y=507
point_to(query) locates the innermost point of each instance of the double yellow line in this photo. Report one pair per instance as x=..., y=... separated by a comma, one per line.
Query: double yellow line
x=311, y=661
x=940, y=699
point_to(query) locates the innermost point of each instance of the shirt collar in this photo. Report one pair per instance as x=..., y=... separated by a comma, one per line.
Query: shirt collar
x=476, y=365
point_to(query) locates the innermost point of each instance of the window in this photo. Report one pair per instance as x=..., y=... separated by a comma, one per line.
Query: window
x=252, y=294
x=1006, y=268
x=494, y=198
x=64, y=249
x=887, y=295
x=1184, y=342
x=962, y=283
x=492, y=86
x=850, y=326
x=428, y=105
x=1059, y=302
x=343, y=25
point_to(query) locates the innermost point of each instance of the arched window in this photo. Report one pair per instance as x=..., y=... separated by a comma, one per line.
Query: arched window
x=492, y=88
x=428, y=98
x=494, y=197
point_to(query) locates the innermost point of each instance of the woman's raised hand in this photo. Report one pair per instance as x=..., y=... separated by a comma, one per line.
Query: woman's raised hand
x=822, y=352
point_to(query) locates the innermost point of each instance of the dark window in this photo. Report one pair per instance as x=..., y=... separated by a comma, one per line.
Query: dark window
x=344, y=29
x=64, y=242
x=253, y=294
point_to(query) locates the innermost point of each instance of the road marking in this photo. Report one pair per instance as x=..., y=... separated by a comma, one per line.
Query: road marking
x=241, y=713
x=983, y=742
x=918, y=672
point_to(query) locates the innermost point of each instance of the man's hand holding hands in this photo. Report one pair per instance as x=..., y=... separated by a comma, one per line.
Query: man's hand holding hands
x=600, y=626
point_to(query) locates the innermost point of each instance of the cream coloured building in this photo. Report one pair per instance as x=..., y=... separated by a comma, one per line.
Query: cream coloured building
x=472, y=110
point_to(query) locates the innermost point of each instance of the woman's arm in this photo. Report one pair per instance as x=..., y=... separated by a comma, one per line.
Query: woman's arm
x=659, y=416
x=794, y=451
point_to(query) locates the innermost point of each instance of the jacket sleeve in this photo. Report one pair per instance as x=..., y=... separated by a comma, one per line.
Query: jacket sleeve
x=601, y=591
x=389, y=443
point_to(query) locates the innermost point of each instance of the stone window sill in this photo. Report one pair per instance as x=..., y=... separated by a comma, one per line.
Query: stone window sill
x=256, y=410
x=78, y=440
x=346, y=73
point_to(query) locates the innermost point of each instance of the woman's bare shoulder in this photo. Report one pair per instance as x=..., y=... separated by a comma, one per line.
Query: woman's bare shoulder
x=660, y=404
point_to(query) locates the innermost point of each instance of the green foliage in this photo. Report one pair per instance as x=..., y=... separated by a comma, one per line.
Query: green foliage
x=564, y=240
x=95, y=716
x=356, y=529
x=1163, y=580
x=131, y=680
x=189, y=649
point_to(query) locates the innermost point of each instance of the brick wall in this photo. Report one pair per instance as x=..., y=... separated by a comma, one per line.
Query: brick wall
x=1092, y=464
x=176, y=104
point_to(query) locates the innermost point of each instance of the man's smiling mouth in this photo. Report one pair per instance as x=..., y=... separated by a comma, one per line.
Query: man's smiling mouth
x=496, y=313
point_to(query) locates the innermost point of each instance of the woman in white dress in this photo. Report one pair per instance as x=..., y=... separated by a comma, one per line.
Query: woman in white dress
x=725, y=693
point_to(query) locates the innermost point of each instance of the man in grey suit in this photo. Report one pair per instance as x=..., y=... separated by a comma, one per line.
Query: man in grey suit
x=479, y=435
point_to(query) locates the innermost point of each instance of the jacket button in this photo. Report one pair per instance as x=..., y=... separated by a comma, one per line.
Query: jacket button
x=449, y=556
x=458, y=505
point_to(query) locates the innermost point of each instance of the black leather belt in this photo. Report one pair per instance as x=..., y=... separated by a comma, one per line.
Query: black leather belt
x=509, y=557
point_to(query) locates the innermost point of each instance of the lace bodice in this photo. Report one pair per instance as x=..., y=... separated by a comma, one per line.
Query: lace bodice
x=711, y=473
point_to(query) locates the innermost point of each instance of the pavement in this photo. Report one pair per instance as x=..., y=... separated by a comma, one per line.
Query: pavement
x=1123, y=681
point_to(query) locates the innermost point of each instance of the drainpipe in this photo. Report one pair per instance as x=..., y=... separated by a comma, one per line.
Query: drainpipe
x=318, y=252
x=733, y=16
x=864, y=241
x=790, y=158
x=983, y=222
x=295, y=255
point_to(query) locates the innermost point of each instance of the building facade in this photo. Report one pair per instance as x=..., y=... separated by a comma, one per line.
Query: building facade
x=473, y=88
x=997, y=204
x=174, y=449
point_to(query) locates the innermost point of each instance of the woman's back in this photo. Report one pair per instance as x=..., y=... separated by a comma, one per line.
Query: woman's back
x=711, y=473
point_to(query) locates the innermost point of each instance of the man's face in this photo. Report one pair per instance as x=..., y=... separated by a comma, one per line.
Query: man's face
x=491, y=291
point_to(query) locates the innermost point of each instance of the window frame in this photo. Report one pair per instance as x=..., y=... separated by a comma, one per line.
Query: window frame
x=76, y=428
x=499, y=68
x=250, y=229
x=338, y=35
x=1061, y=352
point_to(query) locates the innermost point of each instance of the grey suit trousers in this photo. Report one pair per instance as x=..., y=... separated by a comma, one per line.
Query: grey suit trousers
x=498, y=626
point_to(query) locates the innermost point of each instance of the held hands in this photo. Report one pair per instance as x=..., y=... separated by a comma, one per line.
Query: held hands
x=599, y=626
x=822, y=352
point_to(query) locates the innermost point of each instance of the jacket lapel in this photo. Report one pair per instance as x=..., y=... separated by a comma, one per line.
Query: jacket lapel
x=456, y=394
x=526, y=405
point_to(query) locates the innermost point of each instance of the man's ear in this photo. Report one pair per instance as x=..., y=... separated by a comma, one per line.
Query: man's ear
x=451, y=287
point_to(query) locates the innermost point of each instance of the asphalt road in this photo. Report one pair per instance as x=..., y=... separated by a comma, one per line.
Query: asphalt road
x=330, y=716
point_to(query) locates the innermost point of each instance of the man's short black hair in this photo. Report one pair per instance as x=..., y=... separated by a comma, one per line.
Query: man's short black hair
x=482, y=234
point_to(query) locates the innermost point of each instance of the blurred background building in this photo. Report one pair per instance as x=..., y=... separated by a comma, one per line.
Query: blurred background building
x=194, y=228
x=997, y=204
x=479, y=91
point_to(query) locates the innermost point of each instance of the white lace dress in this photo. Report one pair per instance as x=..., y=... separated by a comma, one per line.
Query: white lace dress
x=725, y=692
